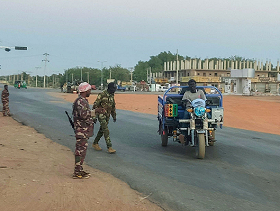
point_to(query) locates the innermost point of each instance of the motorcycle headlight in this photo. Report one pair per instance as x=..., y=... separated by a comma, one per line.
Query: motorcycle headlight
x=199, y=111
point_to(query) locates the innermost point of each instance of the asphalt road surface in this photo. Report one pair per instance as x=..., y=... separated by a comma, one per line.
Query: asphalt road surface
x=241, y=172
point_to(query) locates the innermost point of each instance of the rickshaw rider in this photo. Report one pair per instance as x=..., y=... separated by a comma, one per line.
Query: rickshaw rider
x=193, y=94
x=188, y=97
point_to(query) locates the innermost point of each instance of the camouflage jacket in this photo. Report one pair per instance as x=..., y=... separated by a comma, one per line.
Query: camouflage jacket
x=5, y=96
x=106, y=101
x=83, y=121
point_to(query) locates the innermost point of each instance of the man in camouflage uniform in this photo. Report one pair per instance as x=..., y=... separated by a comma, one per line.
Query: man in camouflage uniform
x=105, y=100
x=83, y=124
x=5, y=101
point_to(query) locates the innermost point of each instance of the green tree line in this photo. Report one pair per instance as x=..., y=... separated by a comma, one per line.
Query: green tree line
x=93, y=75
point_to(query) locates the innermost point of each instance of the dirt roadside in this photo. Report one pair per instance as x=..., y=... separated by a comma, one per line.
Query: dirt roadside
x=35, y=172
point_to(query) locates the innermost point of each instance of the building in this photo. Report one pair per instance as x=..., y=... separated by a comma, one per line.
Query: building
x=217, y=72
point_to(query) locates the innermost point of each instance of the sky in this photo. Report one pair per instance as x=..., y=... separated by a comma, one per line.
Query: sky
x=123, y=32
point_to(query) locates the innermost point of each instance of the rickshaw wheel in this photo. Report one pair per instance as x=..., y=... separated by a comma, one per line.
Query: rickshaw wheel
x=200, y=151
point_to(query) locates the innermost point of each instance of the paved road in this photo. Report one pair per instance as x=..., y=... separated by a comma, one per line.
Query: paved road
x=241, y=172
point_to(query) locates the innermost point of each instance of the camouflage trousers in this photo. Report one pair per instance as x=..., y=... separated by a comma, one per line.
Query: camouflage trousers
x=6, y=109
x=80, y=154
x=103, y=130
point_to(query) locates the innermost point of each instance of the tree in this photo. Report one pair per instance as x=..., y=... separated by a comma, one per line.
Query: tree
x=94, y=75
x=117, y=73
x=140, y=71
x=156, y=64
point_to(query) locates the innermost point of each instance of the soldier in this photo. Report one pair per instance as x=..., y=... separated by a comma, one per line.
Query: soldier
x=5, y=101
x=83, y=124
x=105, y=100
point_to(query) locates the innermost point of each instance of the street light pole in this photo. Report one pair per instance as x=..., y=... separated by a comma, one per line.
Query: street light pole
x=53, y=81
x=45, y=60
x=131, y=71
x=101, y=73
x=88, y=77
x=37, y=74
x=177, y=68
x=66, y=75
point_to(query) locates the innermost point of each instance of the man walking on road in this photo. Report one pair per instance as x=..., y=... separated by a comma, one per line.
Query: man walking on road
x=83, y=125
x=105, y=100
x=5, y=101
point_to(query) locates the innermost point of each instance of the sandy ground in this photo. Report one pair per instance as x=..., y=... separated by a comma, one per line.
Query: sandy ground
x=35, y=172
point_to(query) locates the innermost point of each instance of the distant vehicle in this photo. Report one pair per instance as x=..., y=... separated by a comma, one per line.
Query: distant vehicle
x=93, y=87
x=70, y=87
x=121, y=88
x=20, y=84
x=162, y=89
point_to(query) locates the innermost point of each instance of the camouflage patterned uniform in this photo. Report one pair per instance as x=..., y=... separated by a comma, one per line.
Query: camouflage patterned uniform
x=106, y=101
x=5, y=101
x=83, y=123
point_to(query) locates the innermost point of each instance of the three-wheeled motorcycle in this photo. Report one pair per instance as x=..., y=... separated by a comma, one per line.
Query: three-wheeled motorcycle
x=198, y=128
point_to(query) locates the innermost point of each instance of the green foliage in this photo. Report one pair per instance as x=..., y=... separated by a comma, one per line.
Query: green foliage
x=75, y=74
x=156, y=64
x=24, y=76
x=140, y=71
x=117, y=73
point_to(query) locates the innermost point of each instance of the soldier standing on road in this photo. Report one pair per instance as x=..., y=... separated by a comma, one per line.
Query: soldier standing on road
x=105, y=100
x=5, y=101
x=83, y=124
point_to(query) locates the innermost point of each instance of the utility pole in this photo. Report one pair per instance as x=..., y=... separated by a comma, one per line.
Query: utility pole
x=72, y=78
x=177, y=68
x=88, y=77
x=45, y=60
x=66, y=74
x=101, y=74
x=81, y=74
x=53, y=81
x=131, y=71
x=150, y=75
x=37, y=74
